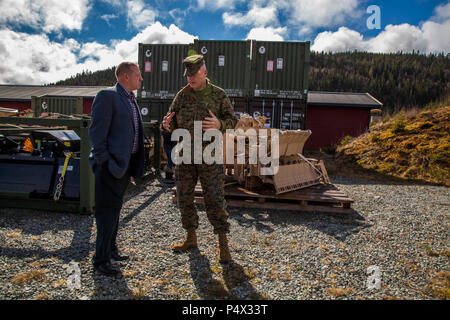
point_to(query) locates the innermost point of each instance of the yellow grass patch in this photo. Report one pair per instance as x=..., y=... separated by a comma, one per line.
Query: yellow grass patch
x=36, y=264
x=250, y=273
x=26, y=277
x=339, y=292
x=216, y=268
x=59, y=283
x=41, y=296
x=139, y=293
x=253, y=239
x=161, y=281
x=141, y=290
x=440, y=285
x=128, y=273
x=14, y=235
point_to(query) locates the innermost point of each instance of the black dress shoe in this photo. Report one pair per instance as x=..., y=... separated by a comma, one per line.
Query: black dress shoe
x=169, y=181
x=107, y=269
x=169, y=176
x=116, y=256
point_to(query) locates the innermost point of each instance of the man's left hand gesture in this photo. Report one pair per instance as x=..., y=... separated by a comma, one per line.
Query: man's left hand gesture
x=211, y=123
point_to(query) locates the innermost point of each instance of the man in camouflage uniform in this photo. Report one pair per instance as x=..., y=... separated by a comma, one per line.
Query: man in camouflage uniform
x=201, y=101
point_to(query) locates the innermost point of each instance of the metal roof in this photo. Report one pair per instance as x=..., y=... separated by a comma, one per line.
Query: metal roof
x=341, y=99
x=25, y=92
x=320, y=98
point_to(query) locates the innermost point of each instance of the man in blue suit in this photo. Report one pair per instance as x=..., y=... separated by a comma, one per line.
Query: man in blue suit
x=117, y=139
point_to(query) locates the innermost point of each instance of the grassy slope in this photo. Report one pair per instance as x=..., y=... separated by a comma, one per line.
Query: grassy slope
x=414, y=146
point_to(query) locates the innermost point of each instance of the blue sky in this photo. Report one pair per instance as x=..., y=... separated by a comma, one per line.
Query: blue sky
x=43, y=41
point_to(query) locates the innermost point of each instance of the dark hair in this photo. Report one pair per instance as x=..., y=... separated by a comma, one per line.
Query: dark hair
x=125, y=67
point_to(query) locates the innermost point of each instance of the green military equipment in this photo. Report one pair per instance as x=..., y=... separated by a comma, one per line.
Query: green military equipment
x=32, y=179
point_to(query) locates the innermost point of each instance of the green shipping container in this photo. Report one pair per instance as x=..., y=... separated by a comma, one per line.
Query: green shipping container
x=287, y=114
x=153, y=109
x=279, y=69
x=228, y=64
x=62, y=105
x=266, y=69
x=162, y=69
x=240, y=106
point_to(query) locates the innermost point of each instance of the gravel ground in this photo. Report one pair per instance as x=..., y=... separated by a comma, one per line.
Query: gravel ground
x=400, y=229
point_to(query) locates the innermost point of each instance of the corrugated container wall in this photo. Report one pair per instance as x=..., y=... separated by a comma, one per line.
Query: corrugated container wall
x=240, y=106
x=280, y=113
x=279, y=69
x=162, y=69
x=267, y=77
x=228, y=64
x=153, y=109
x=62, y=105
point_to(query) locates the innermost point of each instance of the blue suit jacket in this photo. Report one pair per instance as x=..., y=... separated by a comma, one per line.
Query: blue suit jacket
x=112, y=133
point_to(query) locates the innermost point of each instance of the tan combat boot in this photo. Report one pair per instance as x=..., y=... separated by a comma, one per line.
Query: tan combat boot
x=190, y=242
x=224, y=251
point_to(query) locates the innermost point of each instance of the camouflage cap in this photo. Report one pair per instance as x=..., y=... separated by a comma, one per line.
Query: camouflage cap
x=192, y=64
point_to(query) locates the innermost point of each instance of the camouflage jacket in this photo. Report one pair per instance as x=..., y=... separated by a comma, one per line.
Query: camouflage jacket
x=190, y=106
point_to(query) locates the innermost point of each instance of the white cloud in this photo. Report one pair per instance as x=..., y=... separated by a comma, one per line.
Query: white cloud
x=34, y=59
x=394, y=38
x=114, y=3
x=304, y=16
x=178, y=15
x=108, y=17
x=48, y=15
x=436, y=35
x=342, y=40
x=155, y=33
x=267, y=34
x=442, y=12
x=322, y=13
x=428, y=37
x=217, y=4
x=138, y=15
x=256, y=16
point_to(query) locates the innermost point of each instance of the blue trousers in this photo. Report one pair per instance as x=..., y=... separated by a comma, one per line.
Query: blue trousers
x=168, y=146
x=109, y=192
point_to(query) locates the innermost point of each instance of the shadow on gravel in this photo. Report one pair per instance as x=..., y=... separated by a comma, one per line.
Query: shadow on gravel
x=142, y=207
x=36, y=223
x=110, y=288
x=379, y=180
x=165, y=183
x=55, y=222
x=236, y=278
x=338, y=226
x=235, y=284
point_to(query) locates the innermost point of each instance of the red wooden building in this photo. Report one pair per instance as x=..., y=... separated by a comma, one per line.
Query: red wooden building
x=333, y=115
x=19, y=96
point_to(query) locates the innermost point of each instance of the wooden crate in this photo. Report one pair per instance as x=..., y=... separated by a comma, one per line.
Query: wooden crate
x=321, y=198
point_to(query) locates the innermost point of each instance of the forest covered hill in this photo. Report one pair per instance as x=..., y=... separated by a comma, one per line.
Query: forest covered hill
x=399, y=81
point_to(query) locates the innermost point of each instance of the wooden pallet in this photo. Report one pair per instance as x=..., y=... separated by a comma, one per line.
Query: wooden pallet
x=322, y=198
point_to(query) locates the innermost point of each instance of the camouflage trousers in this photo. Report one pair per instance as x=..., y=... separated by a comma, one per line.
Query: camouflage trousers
x=212, y=181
